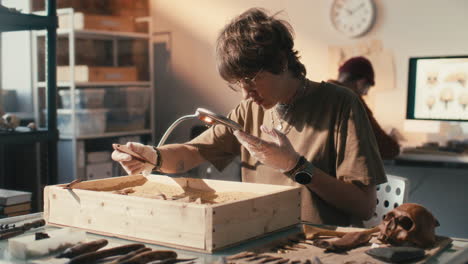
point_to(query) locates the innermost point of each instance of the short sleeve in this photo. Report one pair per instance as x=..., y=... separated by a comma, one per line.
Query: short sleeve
x=358, y=158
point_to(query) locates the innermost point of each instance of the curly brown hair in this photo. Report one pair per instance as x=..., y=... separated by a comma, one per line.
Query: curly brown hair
x=254, y=41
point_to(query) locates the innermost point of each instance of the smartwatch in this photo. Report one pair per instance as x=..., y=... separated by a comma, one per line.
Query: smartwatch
x=303, y=176
x=303, y=172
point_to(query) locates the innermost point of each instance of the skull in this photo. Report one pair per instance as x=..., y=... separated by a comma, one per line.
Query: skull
x=11, y=121
x=408, y=224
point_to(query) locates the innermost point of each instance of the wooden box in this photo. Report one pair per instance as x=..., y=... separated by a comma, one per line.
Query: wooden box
x=85, y=73
x=98, y=22
x=205, y=227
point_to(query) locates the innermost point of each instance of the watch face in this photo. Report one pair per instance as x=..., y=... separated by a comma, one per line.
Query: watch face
x=303, y=177
x=353, y=17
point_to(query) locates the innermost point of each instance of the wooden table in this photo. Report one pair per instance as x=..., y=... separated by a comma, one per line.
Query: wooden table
x=202, y=258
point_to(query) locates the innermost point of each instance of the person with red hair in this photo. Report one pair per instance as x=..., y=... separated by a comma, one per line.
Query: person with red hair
x=357, y=74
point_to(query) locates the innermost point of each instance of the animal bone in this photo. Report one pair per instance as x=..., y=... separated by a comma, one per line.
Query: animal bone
x=149, y=256
x=244, y=254
x=349, y=241
x=270, y=259
x=94, y=256
x=312, y=232
x=410, y=224
x=83, y=248
x=11, y=121
x=129, y=255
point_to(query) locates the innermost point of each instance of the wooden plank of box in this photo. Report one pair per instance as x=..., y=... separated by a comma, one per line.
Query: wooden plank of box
x=84, y=73
x=191, y=226
x=83, y=21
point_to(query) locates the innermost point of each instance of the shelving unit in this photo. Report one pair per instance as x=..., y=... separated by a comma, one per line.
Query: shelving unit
x=73, y=147
x=12, y=21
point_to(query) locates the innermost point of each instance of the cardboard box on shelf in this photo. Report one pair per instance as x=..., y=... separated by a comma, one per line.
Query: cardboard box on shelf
x=95, y=52
x=88, y=6
x=84, y=73
x=135, y=53
x=84, y=21
x=134, y=8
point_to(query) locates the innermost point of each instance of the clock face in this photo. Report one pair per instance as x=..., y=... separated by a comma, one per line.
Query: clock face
x=353, y=17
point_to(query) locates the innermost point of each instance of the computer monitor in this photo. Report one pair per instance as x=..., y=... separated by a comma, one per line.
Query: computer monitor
x=438, y=88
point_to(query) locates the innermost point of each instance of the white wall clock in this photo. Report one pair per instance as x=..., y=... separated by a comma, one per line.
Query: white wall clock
x=353, y=18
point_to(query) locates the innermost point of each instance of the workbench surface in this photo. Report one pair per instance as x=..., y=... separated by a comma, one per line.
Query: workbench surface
x=457, y=246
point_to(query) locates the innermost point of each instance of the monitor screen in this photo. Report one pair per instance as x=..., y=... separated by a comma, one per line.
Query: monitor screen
x=438, y=88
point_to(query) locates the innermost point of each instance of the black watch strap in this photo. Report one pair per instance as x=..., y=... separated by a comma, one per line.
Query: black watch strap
x=299, y=165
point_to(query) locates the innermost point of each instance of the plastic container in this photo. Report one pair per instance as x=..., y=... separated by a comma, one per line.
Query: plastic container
x=87, y=122
x=127, y=97
x=126, y=119
x=84, y=98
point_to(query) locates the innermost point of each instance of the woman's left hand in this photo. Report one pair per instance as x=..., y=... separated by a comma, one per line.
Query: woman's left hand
x=278, y=153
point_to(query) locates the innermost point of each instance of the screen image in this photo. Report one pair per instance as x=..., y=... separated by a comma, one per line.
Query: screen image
x=438, y=88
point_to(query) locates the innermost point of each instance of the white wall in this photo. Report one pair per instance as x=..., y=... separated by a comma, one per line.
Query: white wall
x=406, y=28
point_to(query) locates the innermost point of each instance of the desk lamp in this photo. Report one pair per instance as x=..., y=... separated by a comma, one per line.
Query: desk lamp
x=207, y=117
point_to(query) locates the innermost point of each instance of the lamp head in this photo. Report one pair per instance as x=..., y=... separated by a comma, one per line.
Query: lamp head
x=211, y=118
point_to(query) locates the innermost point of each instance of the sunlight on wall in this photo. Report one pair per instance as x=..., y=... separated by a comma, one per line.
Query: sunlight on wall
x=195, y=25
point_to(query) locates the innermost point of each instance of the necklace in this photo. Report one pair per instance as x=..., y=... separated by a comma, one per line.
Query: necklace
x=284, y=110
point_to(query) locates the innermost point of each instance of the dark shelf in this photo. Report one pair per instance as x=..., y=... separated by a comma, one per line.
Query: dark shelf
x=11, y=21
x=27, y=137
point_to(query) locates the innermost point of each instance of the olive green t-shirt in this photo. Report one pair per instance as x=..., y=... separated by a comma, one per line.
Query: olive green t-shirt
x=326, y=124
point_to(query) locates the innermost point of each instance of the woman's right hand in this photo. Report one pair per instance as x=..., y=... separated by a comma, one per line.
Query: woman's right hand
x=133, y=166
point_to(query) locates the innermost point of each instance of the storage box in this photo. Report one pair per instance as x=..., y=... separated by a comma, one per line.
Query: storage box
x=135, y=52
x=88, y=51
x=135, y=8
x=98, y=156
x=88, y=6
x=126, y=119
x=97, y=22
x=96, y=171
x=86, y=121
x=186, y=225
x=85, y=73
x=8, y=101
x=95, y=52
x=131, y=97
x=84, y=98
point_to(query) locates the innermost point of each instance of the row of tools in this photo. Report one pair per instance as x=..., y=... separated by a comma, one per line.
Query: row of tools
x=92, y=252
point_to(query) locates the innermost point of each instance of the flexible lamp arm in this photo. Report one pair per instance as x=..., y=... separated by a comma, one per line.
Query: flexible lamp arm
x=207, y=117
x=176, y=123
